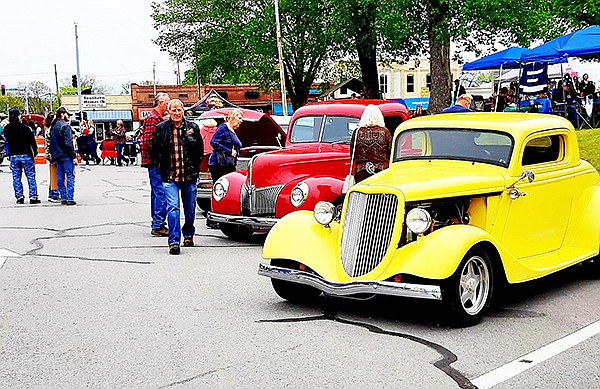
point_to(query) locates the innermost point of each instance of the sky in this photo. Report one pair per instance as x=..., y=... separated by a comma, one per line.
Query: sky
x=115, y=43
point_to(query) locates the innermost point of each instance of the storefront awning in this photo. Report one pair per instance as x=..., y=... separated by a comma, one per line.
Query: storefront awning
x=109, y=115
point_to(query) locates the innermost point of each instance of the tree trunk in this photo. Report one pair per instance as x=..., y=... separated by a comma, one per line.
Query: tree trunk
x=366, y=48
x=440, y=95
x=297, y=90
x=367, y=57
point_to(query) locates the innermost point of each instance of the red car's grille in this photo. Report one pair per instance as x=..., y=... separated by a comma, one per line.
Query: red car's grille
x=263, y=200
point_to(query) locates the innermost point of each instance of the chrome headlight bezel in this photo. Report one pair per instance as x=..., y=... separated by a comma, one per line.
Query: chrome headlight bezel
x=418, y=220
x=324, y=212
x=220, y=189
x=299, y=194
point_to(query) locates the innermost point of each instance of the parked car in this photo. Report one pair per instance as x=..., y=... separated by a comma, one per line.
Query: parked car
x=470, y=203
x=310, y=168
x=258, y=133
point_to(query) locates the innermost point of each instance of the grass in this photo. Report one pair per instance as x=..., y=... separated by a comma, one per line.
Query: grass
x=589, y=146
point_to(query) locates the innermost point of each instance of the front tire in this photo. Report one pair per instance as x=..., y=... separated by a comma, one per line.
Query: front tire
x=468, y=292
x=203, y=204
x=295, y=293
x=236, y=232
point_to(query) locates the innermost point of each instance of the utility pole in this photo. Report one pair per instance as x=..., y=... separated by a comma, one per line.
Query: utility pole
x=57, y=90
x=78, y=73
x=26, y=98
x=154, y=77
x=280, y=53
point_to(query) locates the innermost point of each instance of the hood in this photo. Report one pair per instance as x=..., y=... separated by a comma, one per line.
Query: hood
x=422, y=180
x=295, y=163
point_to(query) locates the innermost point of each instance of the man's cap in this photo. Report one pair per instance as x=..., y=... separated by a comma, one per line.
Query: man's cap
x=13, y=113
x=62, y=110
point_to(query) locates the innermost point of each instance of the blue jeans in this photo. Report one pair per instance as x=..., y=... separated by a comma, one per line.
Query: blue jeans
x=158, y=202
x=119, y=149
x=65, y=168
x=188, y=198
x=18, y=164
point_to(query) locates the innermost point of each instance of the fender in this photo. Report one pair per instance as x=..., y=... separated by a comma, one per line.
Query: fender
x=298, y=236
x=588, y=231
x=437, y=255
x=231, y=204
x=322, y=188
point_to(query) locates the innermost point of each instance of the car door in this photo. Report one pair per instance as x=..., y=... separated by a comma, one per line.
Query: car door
x=539, y=211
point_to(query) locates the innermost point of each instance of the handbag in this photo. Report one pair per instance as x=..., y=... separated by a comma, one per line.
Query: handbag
x=350, y=181
x=225, y=160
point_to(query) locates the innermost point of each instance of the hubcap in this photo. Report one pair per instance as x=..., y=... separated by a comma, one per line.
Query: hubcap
x=474, y=285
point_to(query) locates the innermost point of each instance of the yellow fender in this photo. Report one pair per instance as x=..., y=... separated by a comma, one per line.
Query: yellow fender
x=299, y=237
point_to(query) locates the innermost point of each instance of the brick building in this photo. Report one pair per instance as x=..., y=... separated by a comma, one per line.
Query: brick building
x=142, y=97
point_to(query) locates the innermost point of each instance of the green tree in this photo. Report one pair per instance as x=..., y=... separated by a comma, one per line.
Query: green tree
x=235, y=41
x=88, y=81
x=11, y=101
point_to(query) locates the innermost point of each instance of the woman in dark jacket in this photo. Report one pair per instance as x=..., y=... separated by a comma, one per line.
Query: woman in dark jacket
x=226, y=146
x=371, y=144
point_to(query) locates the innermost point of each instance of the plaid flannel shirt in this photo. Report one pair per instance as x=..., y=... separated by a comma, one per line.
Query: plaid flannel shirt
x=147, y=136
x=177, y=169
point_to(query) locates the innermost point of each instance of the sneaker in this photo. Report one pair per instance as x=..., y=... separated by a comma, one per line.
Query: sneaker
x=174, y=249
x=21, y=200
x=73, y=202
x=53, y=200
x=34, y=201
x=160, y=232
x=188, y=242
x=63, y=202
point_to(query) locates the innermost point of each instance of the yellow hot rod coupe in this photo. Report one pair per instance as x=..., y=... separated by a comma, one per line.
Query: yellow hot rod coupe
x=470, y=202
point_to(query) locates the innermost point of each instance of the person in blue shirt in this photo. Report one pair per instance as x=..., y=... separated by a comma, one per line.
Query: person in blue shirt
x=463, y=104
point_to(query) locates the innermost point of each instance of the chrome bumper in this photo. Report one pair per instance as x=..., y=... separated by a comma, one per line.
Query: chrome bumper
x=431, y=292
x=256, y=223
x=202, y=193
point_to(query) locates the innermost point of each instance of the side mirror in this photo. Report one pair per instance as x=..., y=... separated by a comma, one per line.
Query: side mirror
x=527, y=174
x=278, y=139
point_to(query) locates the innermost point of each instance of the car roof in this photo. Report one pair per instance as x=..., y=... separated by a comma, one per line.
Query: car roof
x=518, y=124
x=350, y=107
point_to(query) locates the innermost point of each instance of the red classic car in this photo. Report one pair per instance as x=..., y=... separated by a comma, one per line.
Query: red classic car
x=258, y=133
x=310, y=168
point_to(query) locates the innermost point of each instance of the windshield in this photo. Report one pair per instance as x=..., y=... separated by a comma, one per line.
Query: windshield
x=327, y=129
x=451, y=143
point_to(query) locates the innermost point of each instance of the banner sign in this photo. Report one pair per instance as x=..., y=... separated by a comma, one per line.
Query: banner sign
x=534, y=78
x=93, y=101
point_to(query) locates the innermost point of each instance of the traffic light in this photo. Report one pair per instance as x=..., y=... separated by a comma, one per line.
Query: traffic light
x=3, y=90
x=78, y=116
x=74, y=81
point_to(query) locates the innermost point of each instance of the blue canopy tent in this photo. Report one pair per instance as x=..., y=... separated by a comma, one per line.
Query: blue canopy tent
x=580, y=43
x=583, y=43
x=506, y=59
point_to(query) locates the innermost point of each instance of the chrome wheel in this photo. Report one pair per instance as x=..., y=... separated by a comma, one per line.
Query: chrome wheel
x=474, y=285
x=468, y=292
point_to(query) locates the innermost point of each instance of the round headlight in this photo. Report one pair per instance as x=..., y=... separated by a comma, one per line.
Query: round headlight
x=299, y=194
x=220, y=188
x=418, y=220
x=324, y=212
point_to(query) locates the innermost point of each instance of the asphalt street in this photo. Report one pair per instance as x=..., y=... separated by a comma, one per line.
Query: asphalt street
x=88, y=298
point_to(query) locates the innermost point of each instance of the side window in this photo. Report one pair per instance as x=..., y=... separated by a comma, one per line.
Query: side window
x=543, y=149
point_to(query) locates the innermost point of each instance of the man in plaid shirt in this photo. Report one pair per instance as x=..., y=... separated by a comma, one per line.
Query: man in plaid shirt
x=158, y=204
x=177, y=151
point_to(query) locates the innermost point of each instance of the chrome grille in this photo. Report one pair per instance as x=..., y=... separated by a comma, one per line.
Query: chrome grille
x=367, y=231
x=262, y=200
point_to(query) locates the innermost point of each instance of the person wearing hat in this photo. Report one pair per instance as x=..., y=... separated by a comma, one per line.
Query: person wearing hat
x=23, y=149
x=64, y=155
x=463, y=104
